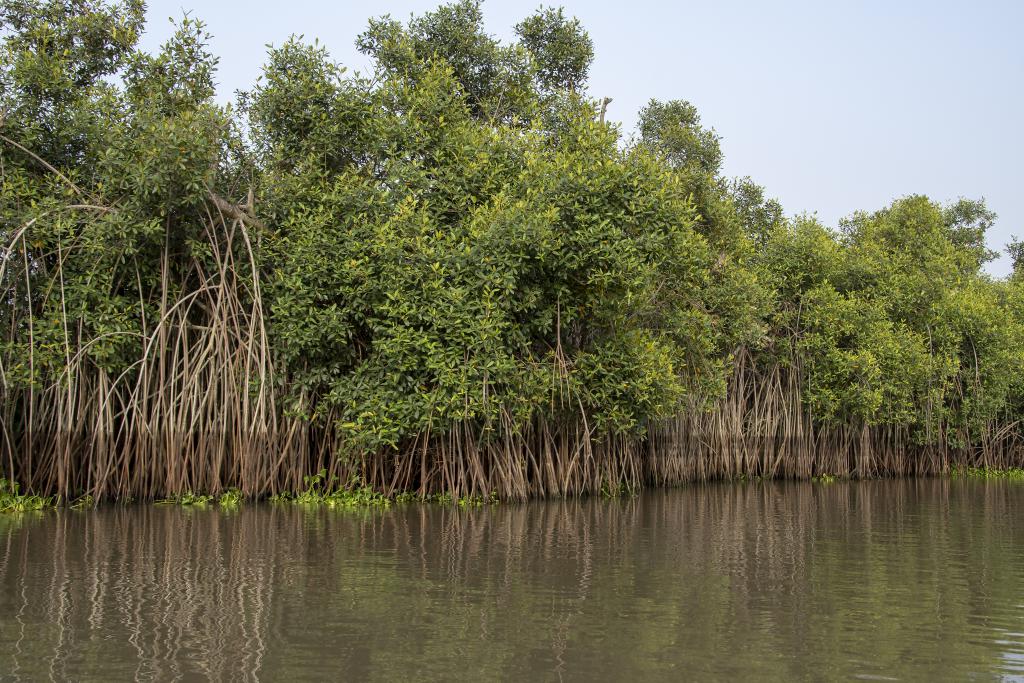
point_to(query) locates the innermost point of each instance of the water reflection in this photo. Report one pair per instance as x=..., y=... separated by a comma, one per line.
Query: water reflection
x=909, y=579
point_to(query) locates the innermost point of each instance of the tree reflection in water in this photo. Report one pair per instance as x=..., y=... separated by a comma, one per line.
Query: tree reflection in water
x=914, y=579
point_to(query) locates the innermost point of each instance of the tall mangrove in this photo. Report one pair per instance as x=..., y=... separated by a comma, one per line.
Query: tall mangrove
x=449, y=275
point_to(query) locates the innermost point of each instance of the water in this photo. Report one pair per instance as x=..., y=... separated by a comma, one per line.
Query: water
x=906, y=580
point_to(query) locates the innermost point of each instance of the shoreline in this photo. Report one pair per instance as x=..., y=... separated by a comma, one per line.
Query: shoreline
x=319, y=494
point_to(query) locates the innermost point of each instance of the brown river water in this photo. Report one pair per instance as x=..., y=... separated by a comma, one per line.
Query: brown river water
x=888, y=580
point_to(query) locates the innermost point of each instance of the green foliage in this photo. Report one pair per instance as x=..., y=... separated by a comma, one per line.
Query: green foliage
x=188, y=499
x=561, y=50
x=456, y=241
x=494, y=80
x=892, y=321
x=105, y=187
x=674, y=129
x=760, y=217
x=83, y=502
x=617, y=491
x=1010, y=474
x=12, y=500
x=487, y=266
x=230, y=499
x=1015, y=250
x=323, y=491
x=478, y=501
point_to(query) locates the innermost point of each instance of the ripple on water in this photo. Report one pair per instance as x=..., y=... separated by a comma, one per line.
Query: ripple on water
x=888, y=580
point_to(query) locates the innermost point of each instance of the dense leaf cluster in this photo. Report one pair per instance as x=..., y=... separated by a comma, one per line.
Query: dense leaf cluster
x=459, y=238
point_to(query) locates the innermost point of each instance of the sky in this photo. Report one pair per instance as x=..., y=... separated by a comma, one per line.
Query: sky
x=832, y=106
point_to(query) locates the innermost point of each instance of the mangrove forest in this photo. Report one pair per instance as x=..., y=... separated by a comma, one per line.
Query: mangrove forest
x=451, y=275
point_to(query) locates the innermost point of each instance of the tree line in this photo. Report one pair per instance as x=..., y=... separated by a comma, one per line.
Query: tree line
x=450, y=274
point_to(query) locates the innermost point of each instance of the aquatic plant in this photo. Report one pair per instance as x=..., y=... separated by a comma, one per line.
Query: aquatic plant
x=83, y=502
x=478, y=501
x=437, y=499
x=407, y=497
x=230, y=499
x=621, y=490
x=1009, y=473
x=12, y=500
x=188, y=499
x=322, y=490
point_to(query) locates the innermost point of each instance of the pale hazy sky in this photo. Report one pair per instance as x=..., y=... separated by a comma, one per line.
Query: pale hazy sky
x=832, y=106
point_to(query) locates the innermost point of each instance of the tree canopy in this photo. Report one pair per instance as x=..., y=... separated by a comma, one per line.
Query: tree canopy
x=456, y=238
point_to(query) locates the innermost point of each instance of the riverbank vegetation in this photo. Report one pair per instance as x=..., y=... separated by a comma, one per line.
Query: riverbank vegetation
x=12, y=500
x=450, y=276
